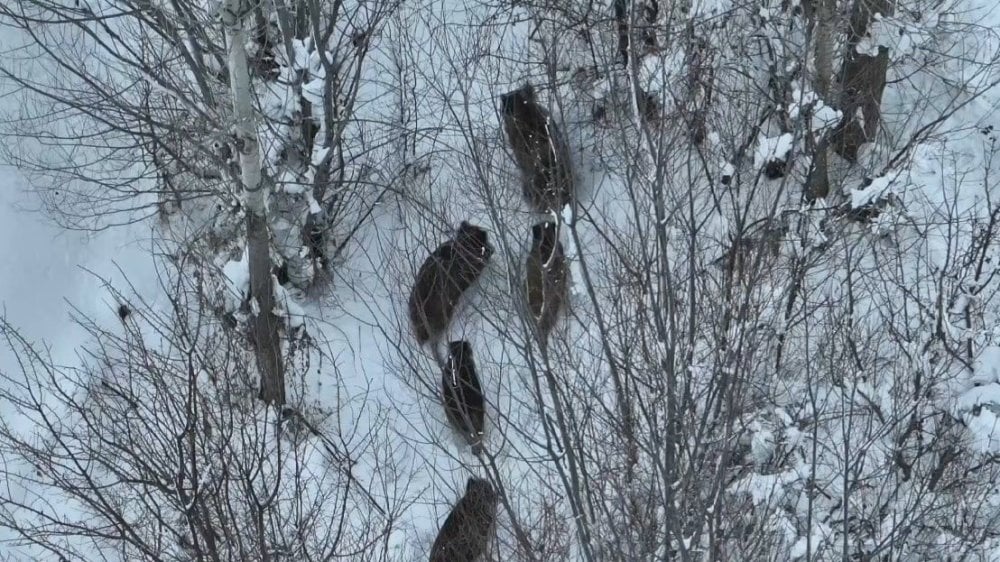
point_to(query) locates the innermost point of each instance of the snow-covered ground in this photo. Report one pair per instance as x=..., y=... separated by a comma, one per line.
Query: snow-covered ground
x=49, y=271
x=361, y=323
x=52, y=274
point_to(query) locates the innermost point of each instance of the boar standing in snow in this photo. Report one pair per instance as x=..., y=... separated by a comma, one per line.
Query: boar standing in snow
x=466, y=532
x=445, y=275
x=546, y=280
x=463, y=396
x=539, y=151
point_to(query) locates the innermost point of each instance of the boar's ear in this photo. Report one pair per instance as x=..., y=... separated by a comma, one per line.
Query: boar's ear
x=544, y=231
x=445, y=252
x=510, y=101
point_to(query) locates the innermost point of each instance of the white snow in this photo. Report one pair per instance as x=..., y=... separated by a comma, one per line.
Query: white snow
x=237, y=275
x=762, y=443
x=576, y=283
x=879, y=187
x=368, y=354
x=822, y=115
x=815, y=541
x=293, y=313
x=303, y=51
x=984, y=430
x=987, y=365
x=59, y=273
x=771, y=148
x=900, y=34
x=727, y=170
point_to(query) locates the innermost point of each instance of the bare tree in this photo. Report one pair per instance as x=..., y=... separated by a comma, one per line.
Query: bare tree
x=266, y=337
x=156, y=448
x=736, y=373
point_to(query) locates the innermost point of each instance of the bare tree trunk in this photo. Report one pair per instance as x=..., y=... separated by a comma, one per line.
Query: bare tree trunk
x=822, y=14
x=700, y=75
x=265, y=324
x=862, y=82
x=621, y=23
x=627, y=25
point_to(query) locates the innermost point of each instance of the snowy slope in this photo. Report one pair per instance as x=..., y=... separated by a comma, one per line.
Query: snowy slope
x=53, y=275
x=360, y=321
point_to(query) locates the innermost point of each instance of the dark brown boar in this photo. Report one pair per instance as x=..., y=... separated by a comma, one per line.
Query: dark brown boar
x=444, y=276
x=463, y=396
x=545, y=278
x=539, y=151
x=466, y=532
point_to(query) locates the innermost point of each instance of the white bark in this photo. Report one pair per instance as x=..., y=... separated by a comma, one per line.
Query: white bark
x=265, y=324
x=246, y=127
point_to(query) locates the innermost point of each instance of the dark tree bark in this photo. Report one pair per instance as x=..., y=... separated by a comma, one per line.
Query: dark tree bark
x=862, y=82
x=621, y=21
x=700, y=77
x=650, y=13
x=265, y=325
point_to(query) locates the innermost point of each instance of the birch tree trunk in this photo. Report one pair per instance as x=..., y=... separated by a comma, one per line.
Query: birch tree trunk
x=264, y=323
